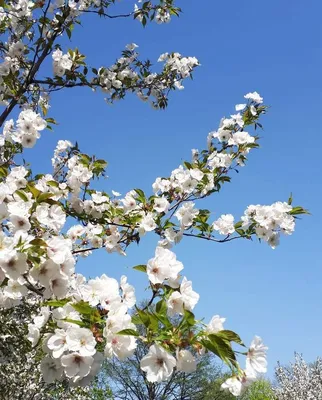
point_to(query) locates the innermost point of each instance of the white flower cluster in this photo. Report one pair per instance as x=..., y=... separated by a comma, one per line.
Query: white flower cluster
x=55, y=274
x=183, y=299
x=186, y=214
x=164, y=266
x=256, y=364
x=184, y=181
x=224, y=225
x=61, y=62
x=60, y=155
x=235, y=142
x=162, y=15
x=270, y=221
x=18, y=213
x=20, y=373
x=29, y=124
x=179, y=65
x=299, y=380
x=78, y=174
x=114, y=76
x=39, y=249
x=11, y=63
x=159, y=364
x=18, y=10
x=123, y=74
x=80, y=322
x=71, y=349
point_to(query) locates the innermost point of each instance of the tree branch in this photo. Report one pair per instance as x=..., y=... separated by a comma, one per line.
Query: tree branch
x=33, y=70
x=227, y=238
x=103, y=14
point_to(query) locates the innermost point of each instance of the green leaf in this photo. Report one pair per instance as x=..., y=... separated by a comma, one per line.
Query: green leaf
x=51, y=121
x=4, y=282
x=220, y=347
x=76, y=322
x=230, y=336
x=22, y=195
x=136, y=320
x=39, y=176
x=154, y=322
x=83, y=307
x=101, y=163
x=56, y=303
x=188, y=318
x=141, y=195
x=44, y=196
x=161, y=307
x=38, y=242
x=3, y=170
x=85, y=159
x=52, y=183
x=298, y=210
x=168, y=224
x=128, y=332
x=141, y=268
x=69, y=33
x=34, y=260
x=144, y=317
x=163, y=318
x=35, y=192
x=238, y=224
x=290, y=200
x=95, y=317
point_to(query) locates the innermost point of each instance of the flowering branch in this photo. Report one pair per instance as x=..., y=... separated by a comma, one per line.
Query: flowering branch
x=79, y=321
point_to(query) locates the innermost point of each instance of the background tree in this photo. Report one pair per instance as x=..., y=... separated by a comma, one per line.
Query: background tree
x=20, y=373
x=299, y=380
x=213, y=390
x=259, y=390
x=128, y=381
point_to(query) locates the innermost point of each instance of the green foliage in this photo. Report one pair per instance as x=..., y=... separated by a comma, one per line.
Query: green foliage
x=141, y=268
x=212, y=390
x=259, y=390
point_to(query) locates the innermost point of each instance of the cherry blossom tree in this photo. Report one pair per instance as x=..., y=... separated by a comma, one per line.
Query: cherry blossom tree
x=299, y=380
x=20, y=374
x=79, y=322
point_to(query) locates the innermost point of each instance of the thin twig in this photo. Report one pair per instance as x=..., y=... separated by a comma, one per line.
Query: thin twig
x=227, y=238
x=102, y=14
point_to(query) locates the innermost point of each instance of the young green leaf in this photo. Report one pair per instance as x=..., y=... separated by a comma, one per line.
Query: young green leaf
x=141, y=268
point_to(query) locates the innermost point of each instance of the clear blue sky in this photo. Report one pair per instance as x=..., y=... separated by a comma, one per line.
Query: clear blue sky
x=272, y=47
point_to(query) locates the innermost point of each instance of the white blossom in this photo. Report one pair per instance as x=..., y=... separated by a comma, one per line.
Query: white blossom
x=158, y=364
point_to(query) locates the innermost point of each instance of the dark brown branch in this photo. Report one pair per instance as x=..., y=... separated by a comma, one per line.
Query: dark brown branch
x=102, y=14
x=154, y=295
x=34, y=69
x=84, y=250
x=64, y=84
x=32, y=288
x=227, y=238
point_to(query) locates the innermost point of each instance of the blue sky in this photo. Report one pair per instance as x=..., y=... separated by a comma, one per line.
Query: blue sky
x=272, y=47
